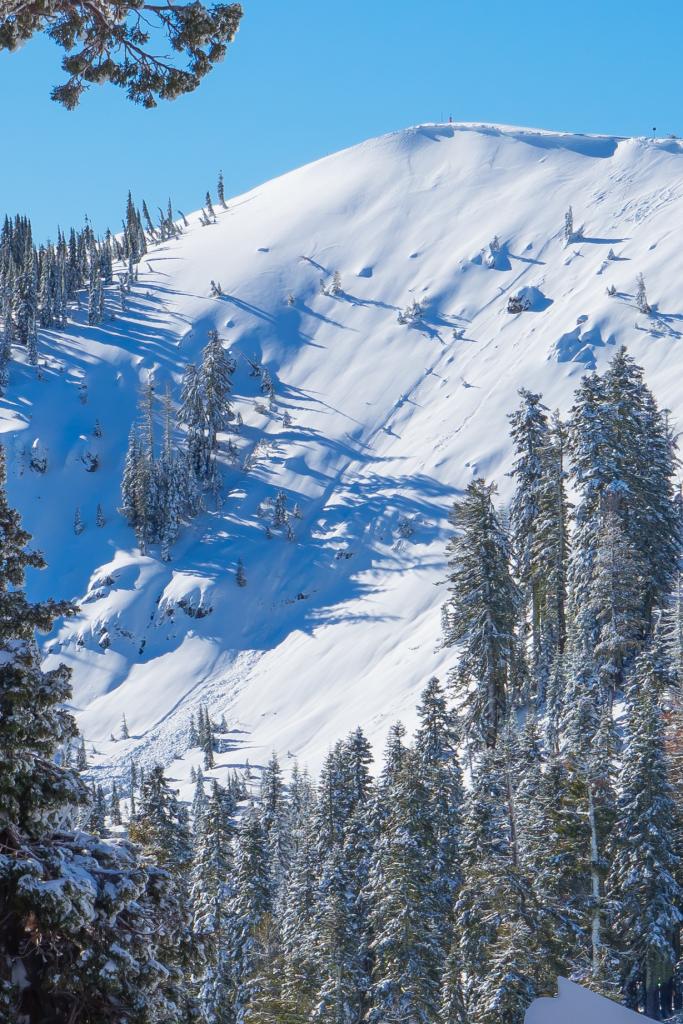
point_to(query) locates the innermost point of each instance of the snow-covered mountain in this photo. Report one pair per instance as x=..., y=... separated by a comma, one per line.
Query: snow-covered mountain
x=386, y=422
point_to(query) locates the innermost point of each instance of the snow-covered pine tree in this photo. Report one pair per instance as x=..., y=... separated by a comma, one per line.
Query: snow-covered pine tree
x=280, y=510
x=644, y=890
x=81, y=756
x=95, y=295
x=64, y=891
x=623, y=459
x=206, y=737
x=95, y=818
x=480, y=614
x=301, y=968
x=332, y=803
x=502, y=948
x=192, y=415
x=220, y=191
x=161, y=825
x=210, y=874
x=339, y=999
x=25, y=298
x=128, y=482
x=641, y=296
x=215, y=382
x=529, y=430
x=437, y=756
x=616, y=602
x=550, y=550
x=588, y=753
x=276, y=825
x=115, y=805
x=267, y=383
x=249, y=918
x=407, y=956
x=555, y=855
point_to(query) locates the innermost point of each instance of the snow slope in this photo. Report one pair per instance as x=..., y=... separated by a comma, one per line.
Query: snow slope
x=573, y=1002
x=389, y=421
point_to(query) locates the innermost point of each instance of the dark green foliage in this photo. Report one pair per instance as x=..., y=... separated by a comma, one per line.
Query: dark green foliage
x=120, y=43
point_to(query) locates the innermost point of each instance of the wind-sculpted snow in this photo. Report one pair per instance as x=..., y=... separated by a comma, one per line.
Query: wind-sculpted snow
x=386, y=421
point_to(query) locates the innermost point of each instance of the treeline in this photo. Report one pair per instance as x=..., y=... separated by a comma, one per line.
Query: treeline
x=38, y=283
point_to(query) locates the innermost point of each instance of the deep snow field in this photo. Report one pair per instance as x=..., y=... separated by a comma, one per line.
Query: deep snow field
x=388, y=421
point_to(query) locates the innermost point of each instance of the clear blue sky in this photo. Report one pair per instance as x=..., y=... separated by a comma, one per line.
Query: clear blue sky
x=309, y=77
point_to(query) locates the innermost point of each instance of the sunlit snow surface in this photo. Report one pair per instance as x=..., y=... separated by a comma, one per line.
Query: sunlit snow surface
x=389, y=421
x=574, y=1003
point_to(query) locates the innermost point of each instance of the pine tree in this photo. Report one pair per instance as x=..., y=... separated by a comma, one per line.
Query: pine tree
x=249, y=910
x=25, y=298
x=115, y=805
x=198, y=800
x=240, y=576
x=437, y=756
x=221, y=191
x=192, y=415
x=342, y=977
x=125, y=734
x=206, y=737
x=480, y=614
x=405, y=976
x=81, y=756
x=95, y=297
x=301, y=974
x=452, y=1009
x=641, y=296
x=211, y=868
x=129, y=507
x=529, y=429
x=616, y=603
x=119, y=910
x=280, y=510
x=502, y=948
x=550, y=550
x=161, y=826
x=97, y=812
x=589, y=750
x=215, y=383
x=645, y=894
x=276, y=825
x=555, y=852
x=623, y=460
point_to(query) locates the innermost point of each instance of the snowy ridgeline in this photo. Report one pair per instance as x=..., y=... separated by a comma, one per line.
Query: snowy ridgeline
x=380, y=307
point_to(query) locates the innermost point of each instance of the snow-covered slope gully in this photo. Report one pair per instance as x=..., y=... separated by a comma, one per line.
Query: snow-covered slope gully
x=388, y=422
